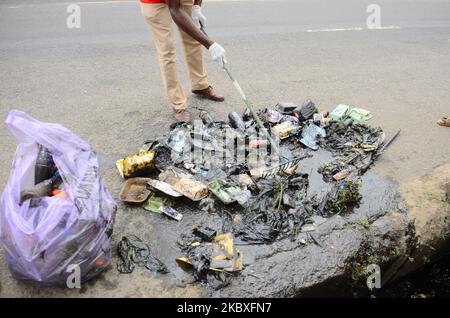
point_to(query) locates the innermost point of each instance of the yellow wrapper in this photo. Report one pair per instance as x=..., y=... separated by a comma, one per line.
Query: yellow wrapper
x=140, y=162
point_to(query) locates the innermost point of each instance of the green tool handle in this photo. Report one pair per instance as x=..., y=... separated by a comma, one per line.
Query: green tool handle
x=226, y=68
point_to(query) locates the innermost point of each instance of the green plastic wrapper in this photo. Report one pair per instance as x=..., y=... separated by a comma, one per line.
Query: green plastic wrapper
x=154, y=204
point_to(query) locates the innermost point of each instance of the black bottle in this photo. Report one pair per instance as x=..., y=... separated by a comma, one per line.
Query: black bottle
x=236, y=121
x=43, y=169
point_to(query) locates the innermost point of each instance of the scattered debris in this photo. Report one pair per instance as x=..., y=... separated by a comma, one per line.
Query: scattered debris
x=259, y=200
x=155, y=203
x=211, y=256
x=308, y=228
x=286, y=108
x=310, y=135
x=243, y=197
x=320, y=120
x=247, y=181
x=341, y=174
x=280, y=169
x=171, y=213
x=355, y=147
x=339, y=112
x=135, y=191
x=178, y=140
x=206, y=118
x=132, y=251
x=138, y=164
x=274, y=117
x=184, y=184
x=389, y=141
x=305, y=111
x=236, y=121
x=285, y=129
x=207, y=204
x=225, y=192
x=358, y=115
x=204, y=232
x=257, y=143
x=164, y=187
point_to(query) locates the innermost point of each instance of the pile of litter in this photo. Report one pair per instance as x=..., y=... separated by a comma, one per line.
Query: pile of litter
x=212, y=256
x=230, y=168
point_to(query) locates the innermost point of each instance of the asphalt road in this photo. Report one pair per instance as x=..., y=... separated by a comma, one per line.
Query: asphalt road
x=102, y=82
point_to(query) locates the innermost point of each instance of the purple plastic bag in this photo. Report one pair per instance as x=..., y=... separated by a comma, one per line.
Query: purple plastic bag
x=273, y=116
x=46, y=241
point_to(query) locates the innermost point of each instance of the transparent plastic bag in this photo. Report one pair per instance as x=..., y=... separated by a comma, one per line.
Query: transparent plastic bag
x=44, y=242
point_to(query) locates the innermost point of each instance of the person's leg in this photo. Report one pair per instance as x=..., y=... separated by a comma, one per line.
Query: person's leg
x=193, y=54
x=159, y=21
x=194, y=60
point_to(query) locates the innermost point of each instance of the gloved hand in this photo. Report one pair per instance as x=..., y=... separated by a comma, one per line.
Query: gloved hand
x=197, y=16
x=217, y=53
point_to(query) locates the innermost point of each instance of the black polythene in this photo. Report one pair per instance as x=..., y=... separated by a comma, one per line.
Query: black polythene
x=204, y=232
x=131, y=250
x=343, y=141
x=306, y=110
x=200, y=258
x=271, y=216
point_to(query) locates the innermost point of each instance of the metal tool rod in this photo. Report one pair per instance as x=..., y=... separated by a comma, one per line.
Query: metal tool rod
x=227, y=69
x=389, y=141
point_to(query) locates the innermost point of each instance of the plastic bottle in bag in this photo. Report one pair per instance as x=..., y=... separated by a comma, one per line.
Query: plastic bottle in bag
x=236, y=121
x=43, y=169
x=206, y=118
x=42, y=189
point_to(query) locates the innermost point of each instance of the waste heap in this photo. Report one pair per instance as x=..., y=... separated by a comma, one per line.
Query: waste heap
x=230, y=168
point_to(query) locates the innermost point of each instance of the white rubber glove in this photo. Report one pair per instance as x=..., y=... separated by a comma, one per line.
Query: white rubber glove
x=217, y=53
x=197, y=16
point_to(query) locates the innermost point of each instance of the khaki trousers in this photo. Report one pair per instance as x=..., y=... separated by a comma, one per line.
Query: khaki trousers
x=159, y=20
